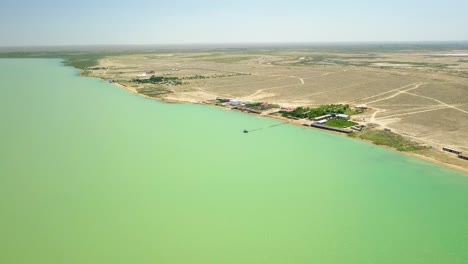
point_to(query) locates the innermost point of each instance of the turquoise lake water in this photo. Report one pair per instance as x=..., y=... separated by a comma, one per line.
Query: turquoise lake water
x=90, y=173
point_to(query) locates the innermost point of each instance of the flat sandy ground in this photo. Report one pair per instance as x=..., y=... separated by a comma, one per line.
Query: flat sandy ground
x=422, y=95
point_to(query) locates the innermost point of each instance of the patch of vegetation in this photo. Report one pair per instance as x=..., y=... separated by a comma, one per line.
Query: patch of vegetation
x=167, y=80
x=196, y=77
x=349, y=111
x=83, y=61
x=340, y=123
x=364, y=60
x=415, y=64
x=227, y=56
x=333, y=59
x=231, y=59
x=154, y=91
x=388, y=138
x=222, y=100
x=199, y=77
x=307, y=112
x=204, y=55
x=80, y=58
x=363, y=57
x=261, y=106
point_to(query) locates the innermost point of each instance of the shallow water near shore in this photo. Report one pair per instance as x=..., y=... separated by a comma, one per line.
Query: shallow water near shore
x=90, y=173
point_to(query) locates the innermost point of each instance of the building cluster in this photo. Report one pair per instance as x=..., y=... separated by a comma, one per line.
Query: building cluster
x=322, y=120
x=251, y=107
x=260, y=107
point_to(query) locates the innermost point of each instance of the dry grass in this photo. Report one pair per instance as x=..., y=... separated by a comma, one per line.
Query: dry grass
x=416, y=98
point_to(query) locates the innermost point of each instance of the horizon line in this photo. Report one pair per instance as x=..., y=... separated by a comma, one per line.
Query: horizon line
x=246, y=43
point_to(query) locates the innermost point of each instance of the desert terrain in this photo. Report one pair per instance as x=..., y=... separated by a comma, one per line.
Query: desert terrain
x=419, y=94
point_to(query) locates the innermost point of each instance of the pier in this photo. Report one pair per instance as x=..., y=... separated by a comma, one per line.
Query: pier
x=340, y=130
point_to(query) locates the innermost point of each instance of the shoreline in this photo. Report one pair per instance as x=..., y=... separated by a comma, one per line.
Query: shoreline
x=299, y=124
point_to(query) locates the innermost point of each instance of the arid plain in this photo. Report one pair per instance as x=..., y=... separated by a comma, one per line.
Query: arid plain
x=419, y=94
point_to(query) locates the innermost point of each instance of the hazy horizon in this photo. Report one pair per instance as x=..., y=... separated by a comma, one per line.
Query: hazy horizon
x=416, y=45
x=56, y=23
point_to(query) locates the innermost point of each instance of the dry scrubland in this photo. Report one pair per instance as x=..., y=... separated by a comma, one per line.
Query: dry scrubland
x=422, y=95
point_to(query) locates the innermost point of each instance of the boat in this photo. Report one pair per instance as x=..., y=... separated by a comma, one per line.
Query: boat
x=246, y=131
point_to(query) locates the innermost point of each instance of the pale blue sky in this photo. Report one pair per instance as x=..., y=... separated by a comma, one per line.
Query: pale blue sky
x=91, y=22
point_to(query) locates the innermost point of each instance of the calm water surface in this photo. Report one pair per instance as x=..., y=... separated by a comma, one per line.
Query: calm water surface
x=92, y=174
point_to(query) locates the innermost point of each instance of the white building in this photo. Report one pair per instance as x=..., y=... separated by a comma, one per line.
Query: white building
x=322, y=117
x=322, y=122
x=342, y=116
x=235, y=102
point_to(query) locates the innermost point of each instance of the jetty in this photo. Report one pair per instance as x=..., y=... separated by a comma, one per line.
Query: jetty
x=335, y=129
x=261, y=128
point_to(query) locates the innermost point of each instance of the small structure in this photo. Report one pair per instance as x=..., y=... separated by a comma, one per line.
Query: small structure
x=357, y=128
x=342, y=116
x=463, y=157
x=223, y=100
x=322, y=122
x=142, y=75
x=264, y=105
x=361, y=107
x=286, y=110
x=451, y=150
x=235, y=102
x=322, y=117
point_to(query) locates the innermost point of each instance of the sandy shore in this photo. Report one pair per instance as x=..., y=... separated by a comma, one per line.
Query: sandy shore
x=300, y=123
